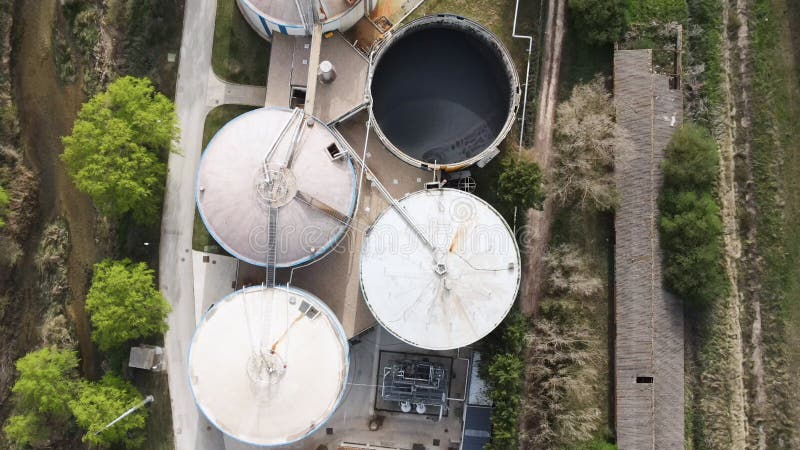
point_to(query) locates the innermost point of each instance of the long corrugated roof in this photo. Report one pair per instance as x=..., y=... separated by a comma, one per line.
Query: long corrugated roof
x=649, y=321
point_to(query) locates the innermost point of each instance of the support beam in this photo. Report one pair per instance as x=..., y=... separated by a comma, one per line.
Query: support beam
x=313, y=66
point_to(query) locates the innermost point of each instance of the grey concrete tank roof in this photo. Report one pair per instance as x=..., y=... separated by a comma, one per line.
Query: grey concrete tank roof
x=275, y=159
x=444, y=92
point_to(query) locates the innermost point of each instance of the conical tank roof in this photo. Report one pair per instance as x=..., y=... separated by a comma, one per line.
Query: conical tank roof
x=268, y=366
x=282, y=161
x=450, y=294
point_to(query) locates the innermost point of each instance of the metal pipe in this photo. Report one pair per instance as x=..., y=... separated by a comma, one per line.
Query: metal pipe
x=527, y=72
x=392, y=201
x=405, y=16
x=275, y=143
x=148, y=399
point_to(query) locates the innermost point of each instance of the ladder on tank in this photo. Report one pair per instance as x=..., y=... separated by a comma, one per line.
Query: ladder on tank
x=272, y=245
x=307, y=13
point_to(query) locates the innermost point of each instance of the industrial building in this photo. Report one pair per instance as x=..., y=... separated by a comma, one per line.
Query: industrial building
x=348, y=154
x=268, y=366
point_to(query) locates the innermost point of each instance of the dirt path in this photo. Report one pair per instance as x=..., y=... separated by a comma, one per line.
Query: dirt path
x=47, y=110
x=742, y=41
x=537, y=228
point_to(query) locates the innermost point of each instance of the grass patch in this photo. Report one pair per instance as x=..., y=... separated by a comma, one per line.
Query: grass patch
x=581, y=62
x=239, y=54
x=158, y=430
x=776, y=134
x=643, y=11
x=215, y=120
x=219, y=116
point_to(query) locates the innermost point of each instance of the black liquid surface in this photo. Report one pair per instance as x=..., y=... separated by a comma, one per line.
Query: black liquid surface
x=441, y=95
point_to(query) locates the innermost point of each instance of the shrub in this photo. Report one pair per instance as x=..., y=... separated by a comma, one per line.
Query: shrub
x=3, y=206
x=586, y=141
x=599, y=21
x=690, y=225
x=97, y=404
x=520, y=184
x=25, y=430
x=504, y=374
x=124, y=304
x=45, y=384
x=562, y=379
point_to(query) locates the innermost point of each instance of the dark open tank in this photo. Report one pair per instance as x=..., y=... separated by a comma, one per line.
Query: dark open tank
x=444, y=92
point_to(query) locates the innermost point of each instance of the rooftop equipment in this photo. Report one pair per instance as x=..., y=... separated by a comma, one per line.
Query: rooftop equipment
x=297, y=17
x=441, y=269
x=415, y=383
x=273, y=188
x=444, y=92
x=268, y=366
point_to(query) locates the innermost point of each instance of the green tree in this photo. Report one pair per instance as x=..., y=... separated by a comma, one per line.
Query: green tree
x=97, y=404
x=599, y=21
x=118, y=146
x=520, y=184
x=124, y=304
x=690, y=225
x=505, y=379
x=504, y=350
x=3, y=206
x=25, y=430
x=692, y=160
x=45, y=383
x=691, y=236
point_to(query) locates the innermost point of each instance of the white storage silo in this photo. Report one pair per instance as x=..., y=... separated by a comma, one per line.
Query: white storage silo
x=268, y=366
x=447, y=278
x=275, y=188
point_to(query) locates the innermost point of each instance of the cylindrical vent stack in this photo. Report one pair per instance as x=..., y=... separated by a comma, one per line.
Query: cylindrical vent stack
x=327, y=73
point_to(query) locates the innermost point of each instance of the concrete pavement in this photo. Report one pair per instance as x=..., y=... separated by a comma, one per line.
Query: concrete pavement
x=198, y=91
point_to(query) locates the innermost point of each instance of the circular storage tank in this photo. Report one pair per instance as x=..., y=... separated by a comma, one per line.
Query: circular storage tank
x=449, y=296
x=268, y=366
x=444, y=92
x=268, y=17
x=276, y=164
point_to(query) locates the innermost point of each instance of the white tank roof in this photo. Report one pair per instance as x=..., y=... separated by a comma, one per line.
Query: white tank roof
x=450, y=296
x=268, y=366
x=315, y=194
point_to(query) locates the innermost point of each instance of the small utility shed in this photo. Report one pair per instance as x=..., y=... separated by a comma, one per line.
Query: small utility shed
x=649, y=321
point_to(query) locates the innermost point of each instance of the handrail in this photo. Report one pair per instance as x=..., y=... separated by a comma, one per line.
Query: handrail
x=527, y=72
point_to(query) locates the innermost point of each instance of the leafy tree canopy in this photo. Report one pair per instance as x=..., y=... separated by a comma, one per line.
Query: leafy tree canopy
x=25, y=430
x=692, y=160
x=520, y=184
x=45, y=383
x=599, y=21
x=118, y=145
x=691, y=233
x=690, y=224
x=99, y=403
x=3, y=205
x=124, y=304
